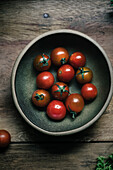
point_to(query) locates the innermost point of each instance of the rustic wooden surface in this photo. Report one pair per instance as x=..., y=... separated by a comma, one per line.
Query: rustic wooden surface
x=20, y=22
x=64, y=156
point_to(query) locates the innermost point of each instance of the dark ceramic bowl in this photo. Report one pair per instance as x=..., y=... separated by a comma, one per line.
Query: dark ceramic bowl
x=24, y=81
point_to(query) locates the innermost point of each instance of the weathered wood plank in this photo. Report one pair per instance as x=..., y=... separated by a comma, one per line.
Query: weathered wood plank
x=54, y=156
x=21, y=21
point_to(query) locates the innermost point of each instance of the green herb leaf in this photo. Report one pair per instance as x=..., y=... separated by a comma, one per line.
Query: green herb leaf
x=111, y=2
x=105, y=163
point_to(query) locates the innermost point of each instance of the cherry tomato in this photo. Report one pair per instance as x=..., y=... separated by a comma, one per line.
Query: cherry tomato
x=56, y=110
x=41, y=98
x=5, y=138
x=77, y=60
x=84, y=75
x=74, y=104
x=45, y=80
x=59, y=56
x=65, y=73
x=89, y=91
x=60, y=90
x=42, y=62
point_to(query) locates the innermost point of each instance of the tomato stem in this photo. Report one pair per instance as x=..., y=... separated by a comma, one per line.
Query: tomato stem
x=63, y=61
x=73, y=113
x=44, y=61
x=61, y=89
x=39, y=96
x=82, y=72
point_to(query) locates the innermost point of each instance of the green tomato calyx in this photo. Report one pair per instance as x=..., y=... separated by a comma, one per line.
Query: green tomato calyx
x=63, y=61
x=44, y=61
x=39, y=96
x=82, y=72
x=61, y=89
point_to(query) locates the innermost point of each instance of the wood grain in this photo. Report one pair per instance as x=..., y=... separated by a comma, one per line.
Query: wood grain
x=53, y=156
x=20, y=22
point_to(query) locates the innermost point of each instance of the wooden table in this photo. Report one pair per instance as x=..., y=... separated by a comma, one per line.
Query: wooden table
x=20, y=22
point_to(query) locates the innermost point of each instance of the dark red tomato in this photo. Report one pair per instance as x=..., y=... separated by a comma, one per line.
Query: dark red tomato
x=84, y=75
x=77, y=60
x=56, y=110
x=42, y=62
x=41, y=98
x=60, y=90
x=5, y=138
x=89, y=91
x=74, y=104
x=59, y=56
x=45, y=80
x=65, y=73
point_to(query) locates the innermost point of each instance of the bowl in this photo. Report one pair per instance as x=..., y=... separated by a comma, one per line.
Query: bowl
x=24, y=81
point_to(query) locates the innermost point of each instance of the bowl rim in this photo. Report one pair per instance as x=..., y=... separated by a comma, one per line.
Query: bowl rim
x=13, y=77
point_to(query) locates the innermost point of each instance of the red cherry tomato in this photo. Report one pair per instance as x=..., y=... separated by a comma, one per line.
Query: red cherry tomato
x=42, y=62
x=41, y=98
x=5, y=138
x=45, y=80
x=74, y=104
x=89, y=91
x=84, y=75
x=65, y=73
x=59, y=56
x=60, y=90
x=56, y=110
x=77, y=60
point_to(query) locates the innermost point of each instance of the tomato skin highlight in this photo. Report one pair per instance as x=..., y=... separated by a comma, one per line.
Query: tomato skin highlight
x=65, y=73
x=77, y=60
x=5, y=138
x=59, y=56
x=74, y=104
x=84, y=75
x=45, y=80
x=89, y=91
x=56, y=110
x=42, y=62
x=41, y=98
x=60, y=91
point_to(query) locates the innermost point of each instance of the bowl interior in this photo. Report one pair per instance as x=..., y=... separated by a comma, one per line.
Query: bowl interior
x=25, y=82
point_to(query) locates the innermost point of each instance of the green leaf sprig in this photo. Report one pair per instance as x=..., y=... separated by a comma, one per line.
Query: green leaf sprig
x=111, y=2
x=105, y=163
